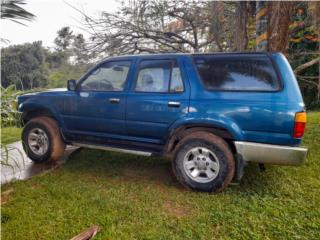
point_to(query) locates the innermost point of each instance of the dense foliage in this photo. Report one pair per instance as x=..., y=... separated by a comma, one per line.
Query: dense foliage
x=9, y=116
x=303, y=48
x=24, y=66
x=30, y=65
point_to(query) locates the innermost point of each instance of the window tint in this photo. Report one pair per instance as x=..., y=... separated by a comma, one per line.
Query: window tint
x=158, y=75
x=254, y=73
x=110, y=76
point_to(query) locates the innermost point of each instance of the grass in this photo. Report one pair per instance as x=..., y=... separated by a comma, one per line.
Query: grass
x=133, y=197
x=10, y=135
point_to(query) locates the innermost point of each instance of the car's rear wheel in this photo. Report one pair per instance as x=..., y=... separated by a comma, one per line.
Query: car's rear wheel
x=204, y=162
x=42, y=140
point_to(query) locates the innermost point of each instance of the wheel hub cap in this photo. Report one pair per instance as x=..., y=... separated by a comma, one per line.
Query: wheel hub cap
x=201, y=165
x=38, y=141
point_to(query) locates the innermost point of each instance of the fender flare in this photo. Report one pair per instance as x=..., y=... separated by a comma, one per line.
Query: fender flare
x=226, y=129
x=30, y=107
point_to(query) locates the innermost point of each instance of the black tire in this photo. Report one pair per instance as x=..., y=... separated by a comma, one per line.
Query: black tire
x=50, y=129
x=222, y=153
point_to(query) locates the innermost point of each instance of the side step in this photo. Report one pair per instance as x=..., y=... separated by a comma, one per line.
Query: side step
x=114, y=149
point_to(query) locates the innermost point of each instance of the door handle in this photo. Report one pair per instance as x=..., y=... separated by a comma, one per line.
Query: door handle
x=114, y=100
x=173, y=104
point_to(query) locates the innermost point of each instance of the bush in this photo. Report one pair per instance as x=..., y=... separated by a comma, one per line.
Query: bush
x=314, y=105
x=9, y=114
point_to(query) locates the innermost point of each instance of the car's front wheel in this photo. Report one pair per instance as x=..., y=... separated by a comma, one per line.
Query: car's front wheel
x=204, y=162
x=42, y=140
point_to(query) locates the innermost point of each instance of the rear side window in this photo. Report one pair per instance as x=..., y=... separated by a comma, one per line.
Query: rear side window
x=160, y=76
x=236, y=73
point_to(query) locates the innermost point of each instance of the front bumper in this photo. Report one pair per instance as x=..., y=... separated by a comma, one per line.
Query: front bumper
x=271, y=154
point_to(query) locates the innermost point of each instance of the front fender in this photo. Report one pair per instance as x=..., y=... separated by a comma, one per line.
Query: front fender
x=34, y=105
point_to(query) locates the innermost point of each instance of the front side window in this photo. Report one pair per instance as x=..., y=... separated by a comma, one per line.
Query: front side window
x=237, y=73
x=159, y=76
x=110, y=76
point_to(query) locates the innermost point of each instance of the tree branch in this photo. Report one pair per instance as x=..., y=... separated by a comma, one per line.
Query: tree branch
x=304, y=66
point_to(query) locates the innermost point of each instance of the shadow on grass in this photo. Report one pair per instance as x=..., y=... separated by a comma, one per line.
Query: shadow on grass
x=123, y=168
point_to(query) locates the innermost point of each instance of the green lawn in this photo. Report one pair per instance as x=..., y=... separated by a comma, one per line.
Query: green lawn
x=133, y=197
x=10, y=135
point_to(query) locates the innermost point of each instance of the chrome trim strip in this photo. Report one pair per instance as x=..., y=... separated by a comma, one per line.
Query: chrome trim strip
x=271, y=154
x=114, y=149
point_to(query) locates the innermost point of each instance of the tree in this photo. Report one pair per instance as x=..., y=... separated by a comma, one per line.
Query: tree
x=64, y=39
x=156, y=26
x=240, y=29
x=79, y=49
x=272, y=25
x=24, y=66
x=279, y=19
x=69, y=60
x=69, y=46
x=304, y=49
x=11, y=9
x=62, y=51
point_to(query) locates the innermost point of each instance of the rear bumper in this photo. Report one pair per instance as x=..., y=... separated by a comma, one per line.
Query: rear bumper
x=271, y=154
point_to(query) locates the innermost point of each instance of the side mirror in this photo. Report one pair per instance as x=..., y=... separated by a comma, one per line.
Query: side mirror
x=71, y=85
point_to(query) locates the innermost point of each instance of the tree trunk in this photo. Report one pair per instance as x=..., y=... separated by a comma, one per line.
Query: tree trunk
x=21, y=83
x=261, y=26
x=279, y=16
x=240, y=29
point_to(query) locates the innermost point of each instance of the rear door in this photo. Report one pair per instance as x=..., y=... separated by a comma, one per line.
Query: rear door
x=159, y=96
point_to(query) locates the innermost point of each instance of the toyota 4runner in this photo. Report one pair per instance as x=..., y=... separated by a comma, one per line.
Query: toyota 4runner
x=211, y=113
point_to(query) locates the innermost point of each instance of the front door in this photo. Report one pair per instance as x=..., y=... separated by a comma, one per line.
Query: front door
x=158, y=96
x=98, y=106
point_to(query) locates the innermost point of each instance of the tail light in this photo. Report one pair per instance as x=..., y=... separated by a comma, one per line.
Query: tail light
x=300, y=121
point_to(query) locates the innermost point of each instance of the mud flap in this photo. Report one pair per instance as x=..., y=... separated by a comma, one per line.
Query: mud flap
x=240, y=164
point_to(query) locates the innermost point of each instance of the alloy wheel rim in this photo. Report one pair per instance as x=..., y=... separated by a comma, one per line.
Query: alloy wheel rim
x=201, y=164
x=38, y=141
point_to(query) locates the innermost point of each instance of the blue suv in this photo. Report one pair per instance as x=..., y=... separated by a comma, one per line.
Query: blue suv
x=210, y=113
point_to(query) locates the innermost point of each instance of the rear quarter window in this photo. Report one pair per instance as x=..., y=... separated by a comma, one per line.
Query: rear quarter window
x=236, y=73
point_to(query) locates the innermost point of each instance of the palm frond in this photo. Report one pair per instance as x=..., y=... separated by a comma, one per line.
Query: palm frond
x=11, y=10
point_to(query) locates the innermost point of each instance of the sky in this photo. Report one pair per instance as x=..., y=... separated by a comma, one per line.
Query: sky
x=51, y=15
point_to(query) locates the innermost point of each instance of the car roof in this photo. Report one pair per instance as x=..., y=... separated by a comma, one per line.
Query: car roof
x=151, y=55
x=158, y=55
